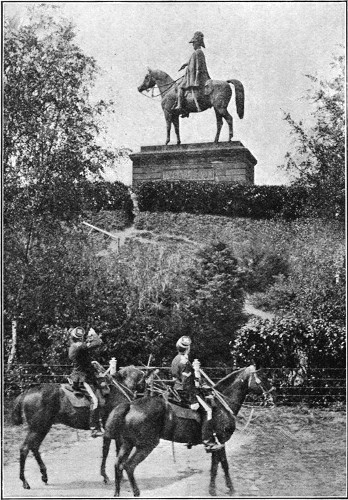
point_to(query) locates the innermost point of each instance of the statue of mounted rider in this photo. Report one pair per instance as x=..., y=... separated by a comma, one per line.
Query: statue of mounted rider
x=191, y=90
x=195, y=92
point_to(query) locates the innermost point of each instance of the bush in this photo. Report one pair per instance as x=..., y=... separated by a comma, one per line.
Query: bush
x=305, y=348
x=103, y=195
x=226, y=198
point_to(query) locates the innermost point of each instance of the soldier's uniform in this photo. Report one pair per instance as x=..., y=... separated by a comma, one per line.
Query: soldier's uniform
x=83, y=371
x=187, y=386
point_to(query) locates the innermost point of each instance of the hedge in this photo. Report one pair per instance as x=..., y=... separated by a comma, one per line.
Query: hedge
x=316, y=349
x=65, y=200
x=229, y=199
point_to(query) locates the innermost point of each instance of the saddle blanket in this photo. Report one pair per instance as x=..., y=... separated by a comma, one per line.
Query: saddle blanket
x=186, y=413
x=77, y=399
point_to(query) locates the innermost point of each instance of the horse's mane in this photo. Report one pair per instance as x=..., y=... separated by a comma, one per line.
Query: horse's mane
x=229, y=379
x=161, y=75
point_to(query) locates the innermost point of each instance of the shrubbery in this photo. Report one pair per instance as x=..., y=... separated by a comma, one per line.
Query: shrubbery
x=103, y=195
x=308, y=357
x=283, y=341
x=225, y=198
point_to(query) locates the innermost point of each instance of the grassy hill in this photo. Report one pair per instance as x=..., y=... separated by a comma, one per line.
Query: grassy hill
x=279, y=257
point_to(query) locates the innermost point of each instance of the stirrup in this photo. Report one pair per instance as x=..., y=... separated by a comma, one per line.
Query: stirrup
x=96, y=432
x=211, y=447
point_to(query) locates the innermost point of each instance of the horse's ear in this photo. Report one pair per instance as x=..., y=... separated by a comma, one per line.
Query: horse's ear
x=148, y=69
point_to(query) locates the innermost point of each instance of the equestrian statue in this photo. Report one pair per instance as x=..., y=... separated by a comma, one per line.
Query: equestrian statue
x=194, y=92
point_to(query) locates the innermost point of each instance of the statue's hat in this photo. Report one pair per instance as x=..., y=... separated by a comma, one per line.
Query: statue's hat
x=198, y=37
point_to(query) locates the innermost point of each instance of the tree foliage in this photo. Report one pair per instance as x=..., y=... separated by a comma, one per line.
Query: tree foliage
x=318, y=155
x=51, y=153
x=214, y=304
x=50, y=124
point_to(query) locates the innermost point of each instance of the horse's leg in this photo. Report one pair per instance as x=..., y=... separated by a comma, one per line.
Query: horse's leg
x=135, y=459
x=42, y=466
x=32, y=442
x=122, y=456
x=168, y=117
x=229, y=120
x=224, y=464
x=106, y=447
x=24, y=450
x=213, y=473
x=218, y=124
x=175, y=120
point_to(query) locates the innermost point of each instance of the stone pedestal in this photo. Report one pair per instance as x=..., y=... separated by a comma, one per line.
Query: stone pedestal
x=225, y=161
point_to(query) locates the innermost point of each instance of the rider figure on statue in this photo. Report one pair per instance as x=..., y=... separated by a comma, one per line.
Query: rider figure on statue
x=189, y=387
x=196, y=74
x=84, y=373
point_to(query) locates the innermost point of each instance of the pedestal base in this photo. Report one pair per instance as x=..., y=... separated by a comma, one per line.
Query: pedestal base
x=225, y=161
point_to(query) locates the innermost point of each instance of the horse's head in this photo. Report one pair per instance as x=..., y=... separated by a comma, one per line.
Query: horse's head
x=132, y=378
x=258, y=384
x=148, y=83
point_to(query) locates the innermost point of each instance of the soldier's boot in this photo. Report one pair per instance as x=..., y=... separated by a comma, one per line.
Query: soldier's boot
x=179, y=103
x=209, y=439
x=94, y=424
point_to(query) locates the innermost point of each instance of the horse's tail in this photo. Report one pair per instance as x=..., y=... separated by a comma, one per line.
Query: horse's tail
x=17, y=417
x=239, y=89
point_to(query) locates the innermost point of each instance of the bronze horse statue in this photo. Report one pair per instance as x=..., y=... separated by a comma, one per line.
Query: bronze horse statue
x=217, y=94
x=48, y=404
x=138, y=426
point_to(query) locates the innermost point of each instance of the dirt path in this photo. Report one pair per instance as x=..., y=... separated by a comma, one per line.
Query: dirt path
x=283, y=452
x=74, y=472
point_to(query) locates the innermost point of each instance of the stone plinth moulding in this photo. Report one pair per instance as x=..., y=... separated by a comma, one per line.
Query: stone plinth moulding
x=221, y=162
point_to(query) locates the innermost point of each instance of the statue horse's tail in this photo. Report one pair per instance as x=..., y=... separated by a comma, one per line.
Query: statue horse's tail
x=239, y=89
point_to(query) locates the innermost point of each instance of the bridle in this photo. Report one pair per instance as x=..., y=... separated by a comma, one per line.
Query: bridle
x=166, y=90
x=267, y=397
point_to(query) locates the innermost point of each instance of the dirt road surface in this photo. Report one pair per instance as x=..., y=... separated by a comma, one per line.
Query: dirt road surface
x=281, y=453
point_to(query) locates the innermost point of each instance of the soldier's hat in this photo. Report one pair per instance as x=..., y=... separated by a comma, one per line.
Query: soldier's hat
x=183, y=342
x=198, y=37
x=77, y=333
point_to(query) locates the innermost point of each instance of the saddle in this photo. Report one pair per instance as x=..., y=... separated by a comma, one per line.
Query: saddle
x=77, y=397
x=184, y=412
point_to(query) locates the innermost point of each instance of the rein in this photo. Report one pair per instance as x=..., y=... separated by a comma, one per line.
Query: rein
x=169, y=85
x=123, y=389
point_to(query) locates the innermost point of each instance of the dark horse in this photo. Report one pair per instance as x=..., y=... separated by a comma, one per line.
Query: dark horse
x=138, y=426
x=217, y=94
x=48, y=404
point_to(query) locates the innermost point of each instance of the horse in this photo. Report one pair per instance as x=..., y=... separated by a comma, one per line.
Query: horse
x=48, y=404
x=217, y=94
x=138, y=426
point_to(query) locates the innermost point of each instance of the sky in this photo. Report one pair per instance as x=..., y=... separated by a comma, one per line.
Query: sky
x=268, y=46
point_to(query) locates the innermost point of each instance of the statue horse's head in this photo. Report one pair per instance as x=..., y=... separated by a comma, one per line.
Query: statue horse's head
x=148, y=83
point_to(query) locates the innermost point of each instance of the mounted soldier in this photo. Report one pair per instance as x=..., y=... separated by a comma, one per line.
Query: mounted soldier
x=189, y=387
x=196, y=75
x=84, y=373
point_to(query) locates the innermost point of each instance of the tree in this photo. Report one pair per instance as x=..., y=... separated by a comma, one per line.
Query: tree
x=50, y=142
x=214, y=305
x=318, y=157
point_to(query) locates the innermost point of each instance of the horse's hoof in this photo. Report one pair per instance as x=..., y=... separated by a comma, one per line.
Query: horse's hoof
x=26, y=486
x=105, y=480
x=212, y=492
